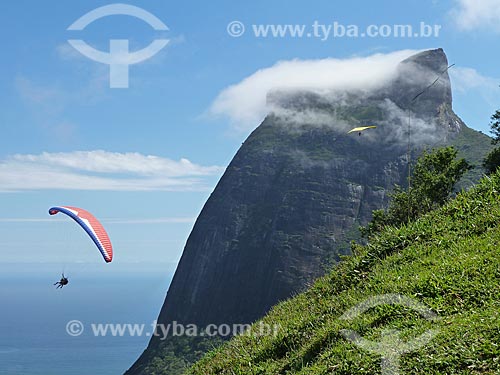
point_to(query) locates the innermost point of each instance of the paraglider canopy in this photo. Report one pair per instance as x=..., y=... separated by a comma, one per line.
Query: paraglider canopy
x=361, y=128
x=91, y=225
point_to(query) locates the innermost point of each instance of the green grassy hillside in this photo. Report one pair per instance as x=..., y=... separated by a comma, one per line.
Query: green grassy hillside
x=448, y=260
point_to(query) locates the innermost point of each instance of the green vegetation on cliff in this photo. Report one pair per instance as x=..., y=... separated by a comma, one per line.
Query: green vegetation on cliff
x=447, y=260
x=492, y=161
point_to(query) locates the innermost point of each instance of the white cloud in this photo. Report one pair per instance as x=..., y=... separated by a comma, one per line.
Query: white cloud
x=477, y=14
x=114, y=162
x=468, y=82
x=101, y=170
x=245, y=102
x=465, y=79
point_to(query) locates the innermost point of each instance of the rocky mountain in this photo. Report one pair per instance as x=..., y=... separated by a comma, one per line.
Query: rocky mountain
x=292, y=198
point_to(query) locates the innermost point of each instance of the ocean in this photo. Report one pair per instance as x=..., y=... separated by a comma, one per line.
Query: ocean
x=34, y=317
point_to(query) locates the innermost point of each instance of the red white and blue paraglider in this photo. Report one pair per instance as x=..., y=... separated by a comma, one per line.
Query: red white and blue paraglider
x=91, y=225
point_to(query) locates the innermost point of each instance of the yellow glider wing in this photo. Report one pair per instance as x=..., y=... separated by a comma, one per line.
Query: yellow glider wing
x=360, y=129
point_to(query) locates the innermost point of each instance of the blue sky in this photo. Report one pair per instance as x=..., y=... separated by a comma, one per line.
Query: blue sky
x=144, y=159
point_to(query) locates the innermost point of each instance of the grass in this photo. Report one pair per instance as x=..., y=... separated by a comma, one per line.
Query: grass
x=449, y=260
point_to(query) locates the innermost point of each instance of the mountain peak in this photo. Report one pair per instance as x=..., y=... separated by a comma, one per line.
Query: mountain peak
x=423, y=72
x=294, y=195
x=434, y=60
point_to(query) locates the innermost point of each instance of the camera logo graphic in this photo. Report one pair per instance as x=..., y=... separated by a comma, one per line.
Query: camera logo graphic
x=119, y=58
x=391, y=347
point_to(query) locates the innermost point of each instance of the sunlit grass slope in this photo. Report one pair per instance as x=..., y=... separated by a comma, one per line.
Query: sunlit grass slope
x=448, y=260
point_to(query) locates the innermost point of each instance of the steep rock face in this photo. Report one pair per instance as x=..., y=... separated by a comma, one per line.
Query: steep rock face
x=296, y=191
x=272, y=223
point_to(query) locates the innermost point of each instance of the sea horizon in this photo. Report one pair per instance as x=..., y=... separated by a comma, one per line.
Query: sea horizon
x=34, y=339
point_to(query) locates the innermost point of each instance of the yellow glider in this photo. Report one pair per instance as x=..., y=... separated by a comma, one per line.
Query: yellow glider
x=360, y=129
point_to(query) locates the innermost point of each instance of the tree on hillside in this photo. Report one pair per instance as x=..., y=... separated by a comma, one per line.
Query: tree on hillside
x=434, y=177
x=492, y=161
